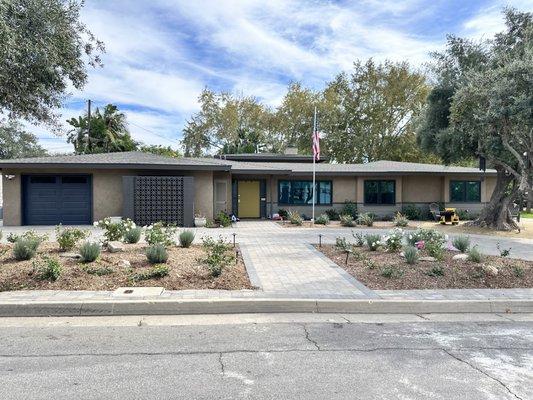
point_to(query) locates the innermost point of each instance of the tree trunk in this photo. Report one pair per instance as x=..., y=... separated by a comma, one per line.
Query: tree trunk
x=529, y=204
x=496, y=214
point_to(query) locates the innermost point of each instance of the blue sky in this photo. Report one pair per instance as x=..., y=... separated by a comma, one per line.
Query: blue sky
x=162, y=53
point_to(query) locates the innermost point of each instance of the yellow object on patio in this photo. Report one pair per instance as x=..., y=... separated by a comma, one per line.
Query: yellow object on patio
x=449, y=215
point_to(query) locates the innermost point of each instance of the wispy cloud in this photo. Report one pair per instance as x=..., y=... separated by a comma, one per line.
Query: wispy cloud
x=161, y=53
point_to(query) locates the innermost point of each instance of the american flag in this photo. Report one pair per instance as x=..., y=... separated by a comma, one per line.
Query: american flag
x=316, y=145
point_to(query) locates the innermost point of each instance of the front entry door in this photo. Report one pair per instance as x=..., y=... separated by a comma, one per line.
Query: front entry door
x=248, y=192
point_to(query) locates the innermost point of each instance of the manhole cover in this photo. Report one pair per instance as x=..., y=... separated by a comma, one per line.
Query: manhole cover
x=138, y=291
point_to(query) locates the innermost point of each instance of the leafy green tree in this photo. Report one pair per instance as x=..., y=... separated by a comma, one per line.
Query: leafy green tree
x=108, y=132
x=15, y=142
x=161, y=150
x=484, y=94
x=44, y=50
x=226, y=123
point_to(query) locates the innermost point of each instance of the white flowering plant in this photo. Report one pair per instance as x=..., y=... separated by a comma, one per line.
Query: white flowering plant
x=393, y=240
x=373, y=242
x=159, y=233
x=114, y=231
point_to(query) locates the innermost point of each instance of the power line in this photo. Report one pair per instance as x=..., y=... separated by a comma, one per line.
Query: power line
x=152, y=132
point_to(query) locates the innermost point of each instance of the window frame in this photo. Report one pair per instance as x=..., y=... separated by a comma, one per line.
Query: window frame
x=379, y=202
x=465, y=191
x=317, y=194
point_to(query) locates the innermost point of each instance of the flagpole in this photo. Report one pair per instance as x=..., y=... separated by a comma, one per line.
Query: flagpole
x=314, y=175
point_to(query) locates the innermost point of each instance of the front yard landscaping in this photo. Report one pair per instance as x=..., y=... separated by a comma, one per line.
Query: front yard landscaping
x=424, y=259
x=30, y=262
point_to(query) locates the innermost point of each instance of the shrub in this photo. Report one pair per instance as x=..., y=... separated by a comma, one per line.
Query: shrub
x=156, y=272
x=474, y=255
x=186, y=238
x=223, y=219
x=160, y=233
x=342, y=244
x=133, y=235
x=48, y=269
x=400, y=220
x=217, y=255
x=68, y=238
x=366, y=219
x=411, y=255
x=427, y=236
x=435, y=249
x=283, y=213
x=347, y=220
x=157, y=253
x=332, y=214
x=322, y=220
x=436, y=270
x=412, y=212
x=89, y=251
x=25, y=249
x=349, y=208
x=30, y=235
x=465, y=215
x=391, y=272
x=98, y=270
x=503, y=252
x=295, y=218
x=359, y=239
x=373, y=241
x=461, y=243
x=393, y=240
x=518, y=271
x=114, y=231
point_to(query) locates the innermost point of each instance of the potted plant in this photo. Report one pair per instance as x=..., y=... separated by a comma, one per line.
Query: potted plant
x=200, y=220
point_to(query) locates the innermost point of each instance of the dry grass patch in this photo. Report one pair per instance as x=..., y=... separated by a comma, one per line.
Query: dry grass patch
x=185, y=271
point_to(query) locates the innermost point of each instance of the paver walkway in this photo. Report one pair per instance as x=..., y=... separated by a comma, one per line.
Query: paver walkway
x=284, y=264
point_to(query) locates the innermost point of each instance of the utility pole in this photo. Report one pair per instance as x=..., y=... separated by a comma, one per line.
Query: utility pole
x=88, y=124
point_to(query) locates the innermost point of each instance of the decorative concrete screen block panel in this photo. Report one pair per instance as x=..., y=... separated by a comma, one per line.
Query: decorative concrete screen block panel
x=150, y=199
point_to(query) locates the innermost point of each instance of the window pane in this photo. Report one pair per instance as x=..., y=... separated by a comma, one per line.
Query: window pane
x=301, y=192
x=473, y=191
x=457, y=191
x=284, y=192
x=324, y=192
x=74, y=179
x=387, y=192
x=371, y=192
x=43, y=179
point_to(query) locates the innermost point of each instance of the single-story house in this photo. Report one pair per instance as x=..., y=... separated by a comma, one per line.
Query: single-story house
x=81, y=189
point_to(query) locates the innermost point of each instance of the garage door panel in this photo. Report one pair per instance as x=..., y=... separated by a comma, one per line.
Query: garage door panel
x=55, y=199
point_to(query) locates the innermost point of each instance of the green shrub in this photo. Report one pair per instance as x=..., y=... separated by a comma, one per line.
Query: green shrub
x=160, y=233
x=217, y=255
x=366, y=219
x=427, y=236
x=411, y=255
x=89, y=251
x=435, y=249
x=156, y=272
x=461, y=243
x=48, y=269
x=186, y=238
x=332, y=214
x=518, y=271
x=349, y=208
x=373, y=241
x=68, y=238
x=436, y=270
x=359, y=239
x=347, y=220
x=223, y=219
x=98, y=270
x=295, y=218
x=157, y=253
x=341, y=244
x=133, y=235
x=322, y=220
x=465, y=215
x=503, y=252
x=412, y=212
x=400, y=220
x=474, y=255
x=25, y=249
x=30, y=235
x=283, y=213
x=393, y=239
x=114, y=231
x=391, y=272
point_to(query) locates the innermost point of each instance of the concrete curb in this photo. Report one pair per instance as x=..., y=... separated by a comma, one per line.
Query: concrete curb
x=238, y=306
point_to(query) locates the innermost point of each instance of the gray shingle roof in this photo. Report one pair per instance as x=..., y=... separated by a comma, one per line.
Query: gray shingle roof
x=153, y=161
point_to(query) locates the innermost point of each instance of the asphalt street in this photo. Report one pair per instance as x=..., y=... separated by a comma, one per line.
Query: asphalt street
x=285, y=357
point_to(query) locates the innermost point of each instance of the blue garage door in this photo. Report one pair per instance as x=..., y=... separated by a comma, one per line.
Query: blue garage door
x=57, y=199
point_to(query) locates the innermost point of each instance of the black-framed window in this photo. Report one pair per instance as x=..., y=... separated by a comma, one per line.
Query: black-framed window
x=301, y=192
x=380, y=192
x=465, y=191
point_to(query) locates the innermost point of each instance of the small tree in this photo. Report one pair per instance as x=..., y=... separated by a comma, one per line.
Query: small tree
x=15, y=142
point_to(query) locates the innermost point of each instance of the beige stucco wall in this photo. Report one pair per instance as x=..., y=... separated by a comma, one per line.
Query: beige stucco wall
x=203, y=193
x=11, y=198
x=422, y=189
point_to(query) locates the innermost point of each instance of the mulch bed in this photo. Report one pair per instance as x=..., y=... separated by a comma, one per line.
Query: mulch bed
x=456, y=274
x=186, y=271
